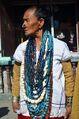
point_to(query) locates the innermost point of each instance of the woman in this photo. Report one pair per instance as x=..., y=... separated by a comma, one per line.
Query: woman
x=42, y=84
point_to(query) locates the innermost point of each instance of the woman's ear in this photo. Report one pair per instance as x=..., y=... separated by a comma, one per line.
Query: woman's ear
x=41, y=23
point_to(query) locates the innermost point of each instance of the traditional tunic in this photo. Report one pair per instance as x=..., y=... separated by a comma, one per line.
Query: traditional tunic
x=61, y=54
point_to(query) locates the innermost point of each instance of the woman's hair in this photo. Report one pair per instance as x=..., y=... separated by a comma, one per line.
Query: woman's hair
x=42, y=12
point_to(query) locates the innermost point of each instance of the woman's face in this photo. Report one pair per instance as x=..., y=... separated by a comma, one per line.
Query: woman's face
x=31, y=24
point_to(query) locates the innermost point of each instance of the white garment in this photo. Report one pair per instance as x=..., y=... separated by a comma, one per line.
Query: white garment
x=61, y=53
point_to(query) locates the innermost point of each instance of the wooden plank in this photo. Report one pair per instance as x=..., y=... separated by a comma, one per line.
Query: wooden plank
x=31, y=2
x=0, y=37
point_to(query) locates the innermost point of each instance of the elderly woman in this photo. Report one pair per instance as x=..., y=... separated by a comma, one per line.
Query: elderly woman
x=41, y=83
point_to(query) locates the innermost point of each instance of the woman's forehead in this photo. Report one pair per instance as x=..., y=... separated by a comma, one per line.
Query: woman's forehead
x=29, y=13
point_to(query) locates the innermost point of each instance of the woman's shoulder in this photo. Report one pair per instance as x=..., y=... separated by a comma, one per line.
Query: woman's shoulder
x=59, y=42
x=22, y=46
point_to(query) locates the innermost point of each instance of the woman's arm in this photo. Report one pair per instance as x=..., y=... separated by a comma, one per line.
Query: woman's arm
x=69, y=85
x=16, y=86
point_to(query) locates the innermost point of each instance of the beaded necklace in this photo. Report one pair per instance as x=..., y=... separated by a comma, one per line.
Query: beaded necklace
x=36, y=82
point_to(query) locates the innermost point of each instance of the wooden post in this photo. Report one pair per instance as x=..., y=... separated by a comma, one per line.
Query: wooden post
x=1, y=84
x=77, y=35
x=77, y=24
x=0, y=37
x=8, y=79
x=74, y=67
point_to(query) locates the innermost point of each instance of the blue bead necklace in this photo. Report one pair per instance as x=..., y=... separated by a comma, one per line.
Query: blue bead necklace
x=37, y=74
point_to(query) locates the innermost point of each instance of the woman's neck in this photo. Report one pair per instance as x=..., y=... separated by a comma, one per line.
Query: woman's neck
x=38, y=40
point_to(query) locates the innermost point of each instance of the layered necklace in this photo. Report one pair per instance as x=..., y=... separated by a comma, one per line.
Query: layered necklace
x=35, y=76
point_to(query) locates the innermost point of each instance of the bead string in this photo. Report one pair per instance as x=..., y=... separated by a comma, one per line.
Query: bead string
x=36, y=77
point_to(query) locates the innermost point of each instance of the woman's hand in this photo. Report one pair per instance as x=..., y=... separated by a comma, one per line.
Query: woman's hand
x=15, y=106
x=68, y=111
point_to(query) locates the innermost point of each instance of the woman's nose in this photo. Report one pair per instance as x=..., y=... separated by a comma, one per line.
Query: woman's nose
x=23, y=25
